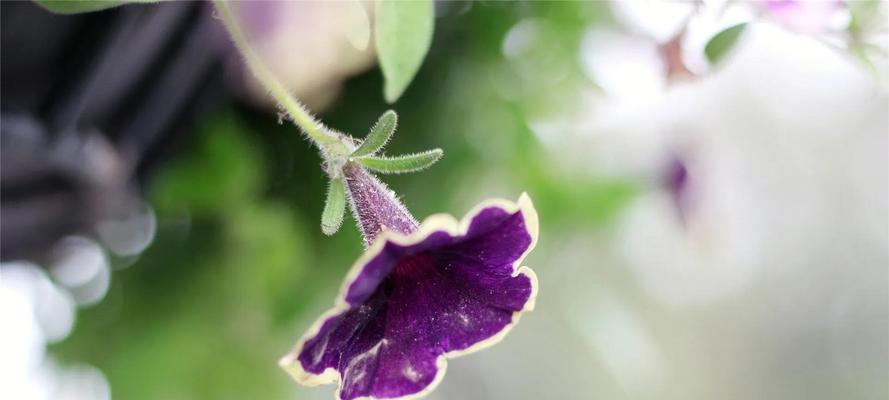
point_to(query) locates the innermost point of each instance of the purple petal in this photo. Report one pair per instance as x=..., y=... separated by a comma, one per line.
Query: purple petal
x=804, y=16
x=446, y=290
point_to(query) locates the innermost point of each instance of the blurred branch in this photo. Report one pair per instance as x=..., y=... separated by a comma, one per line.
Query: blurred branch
x=91, y=104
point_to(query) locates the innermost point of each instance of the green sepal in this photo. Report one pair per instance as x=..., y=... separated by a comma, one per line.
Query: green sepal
x=334, y=207
x=379, y=135
x=398, y=165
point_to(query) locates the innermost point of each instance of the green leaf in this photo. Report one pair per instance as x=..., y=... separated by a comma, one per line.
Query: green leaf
x=220, y=170
x=334, y=207
x=84, y=6
x=723, y=42
x=403, y=34
x=401, y=164
x=379, y=135
x=75, y=6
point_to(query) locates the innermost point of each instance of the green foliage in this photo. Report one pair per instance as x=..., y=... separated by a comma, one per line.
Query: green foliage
x=84, y=6
x=214, y=301
x=403, y=34
x=379, y=135
x=723, y=42
x=334, y=207
x=222, y=173
x=402, y=164
x=77, y=6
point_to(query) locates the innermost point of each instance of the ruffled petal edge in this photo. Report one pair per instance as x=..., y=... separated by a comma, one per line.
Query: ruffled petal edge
x=434, y=223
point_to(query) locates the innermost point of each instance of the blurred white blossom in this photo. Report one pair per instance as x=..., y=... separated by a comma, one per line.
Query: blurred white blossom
x=35, y=312
x=312, y=46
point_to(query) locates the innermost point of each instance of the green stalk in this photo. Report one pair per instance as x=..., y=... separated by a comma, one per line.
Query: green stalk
x=297, y=112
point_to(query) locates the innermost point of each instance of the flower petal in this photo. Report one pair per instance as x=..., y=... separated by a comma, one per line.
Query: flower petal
x=412, y=301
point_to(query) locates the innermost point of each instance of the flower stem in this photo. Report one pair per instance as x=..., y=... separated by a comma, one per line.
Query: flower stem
x=300, y=116
x=375, y=207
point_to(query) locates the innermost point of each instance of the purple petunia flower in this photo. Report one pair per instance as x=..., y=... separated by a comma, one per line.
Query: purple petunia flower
x=420, y=294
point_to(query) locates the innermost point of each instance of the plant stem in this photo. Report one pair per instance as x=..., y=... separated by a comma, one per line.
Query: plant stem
x=300, y=116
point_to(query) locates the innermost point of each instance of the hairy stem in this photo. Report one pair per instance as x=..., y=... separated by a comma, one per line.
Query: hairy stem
x=375, y=207
x=300, y=116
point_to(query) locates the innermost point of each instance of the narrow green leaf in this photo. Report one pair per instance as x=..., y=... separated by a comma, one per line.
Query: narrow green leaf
x=84, y=6
x=403, y=33
x=401, y=164
x=723, y=42
x=77, y=6
x=334, y=207
x=379, y=135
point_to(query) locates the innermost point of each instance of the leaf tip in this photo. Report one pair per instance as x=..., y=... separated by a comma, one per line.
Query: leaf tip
x=329, y=230
x=721, y=44
x=391, y=92
x=334, y=207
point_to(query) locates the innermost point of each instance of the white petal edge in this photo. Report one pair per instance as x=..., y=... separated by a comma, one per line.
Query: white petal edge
x=434, y=223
